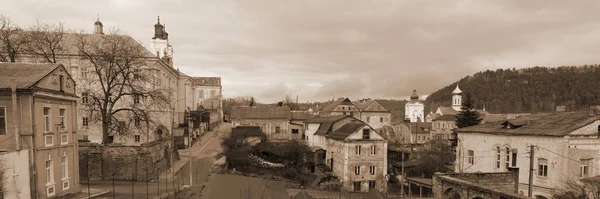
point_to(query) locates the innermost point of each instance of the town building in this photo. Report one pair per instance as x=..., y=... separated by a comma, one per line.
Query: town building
x=209, y=95
x=414, y=109
x=274, y=121
x=355, y=151
x=374, y=114
x=38, y=128
x=565, y=147
x=342, y=106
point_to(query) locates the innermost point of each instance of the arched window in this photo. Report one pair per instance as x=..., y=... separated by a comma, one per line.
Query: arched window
x=498, y=157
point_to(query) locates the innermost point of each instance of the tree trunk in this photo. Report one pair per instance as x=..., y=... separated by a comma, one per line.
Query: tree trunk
x=105, y=126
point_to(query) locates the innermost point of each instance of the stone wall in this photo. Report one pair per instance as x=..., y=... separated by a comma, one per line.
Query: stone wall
x=126, y=162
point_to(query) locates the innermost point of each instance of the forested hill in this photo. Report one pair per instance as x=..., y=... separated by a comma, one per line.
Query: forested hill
x=537, y=89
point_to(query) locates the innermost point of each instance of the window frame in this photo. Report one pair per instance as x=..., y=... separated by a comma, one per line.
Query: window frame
x=357, y=150
x=47, y=119
x=46, y=144
x=514, y=158
x=49, y=168
x=85, y=121
x=471, y=157
x=84, y=98
x=380, y=119
x=366, y=134
x=65, y=140
x=62, y=118
x=3, y=117
x=357, y=170
x=372, y=170
x=297, y=131
x=373, y=150
x=507, y=157
x=498, y=157
x=137, y=138
x=542, y=167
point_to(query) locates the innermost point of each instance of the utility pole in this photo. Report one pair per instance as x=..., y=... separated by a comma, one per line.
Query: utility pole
x=531, y=155
x=402, y=180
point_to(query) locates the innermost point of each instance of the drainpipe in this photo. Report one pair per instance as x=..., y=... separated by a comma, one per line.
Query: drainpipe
x=13, y=88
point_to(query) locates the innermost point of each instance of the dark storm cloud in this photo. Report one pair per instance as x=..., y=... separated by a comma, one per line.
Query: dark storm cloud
x=327, y=49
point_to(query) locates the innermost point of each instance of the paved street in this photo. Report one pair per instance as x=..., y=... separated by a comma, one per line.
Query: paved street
x=202, y=152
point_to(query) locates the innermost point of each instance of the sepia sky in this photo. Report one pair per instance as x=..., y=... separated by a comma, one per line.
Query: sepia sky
x=354, y=48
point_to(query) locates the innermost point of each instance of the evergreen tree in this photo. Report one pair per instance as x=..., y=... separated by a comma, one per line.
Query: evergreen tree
x=467, y=116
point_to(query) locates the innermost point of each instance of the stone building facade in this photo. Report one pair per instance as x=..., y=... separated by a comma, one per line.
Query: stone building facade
x=557, y=138
x=38, y=111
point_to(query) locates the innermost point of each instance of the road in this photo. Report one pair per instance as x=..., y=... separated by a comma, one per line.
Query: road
x=203, y=154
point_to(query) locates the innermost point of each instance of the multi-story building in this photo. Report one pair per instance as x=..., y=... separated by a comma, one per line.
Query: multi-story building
x=342, y=106
x=207, y=91
x=565, y=149
x=38, y=111
x=354, y=151
x=414, y=109
x=274, y=121
x=371, y=111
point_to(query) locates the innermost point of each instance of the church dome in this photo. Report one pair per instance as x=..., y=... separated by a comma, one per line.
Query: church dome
x=457, y=90
x=98, y=22
x=414, y=96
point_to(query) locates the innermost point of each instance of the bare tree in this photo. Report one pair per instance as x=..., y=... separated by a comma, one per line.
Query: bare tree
x=124, y=86
x=12, y=40
x=588, y=188
x=46, y=41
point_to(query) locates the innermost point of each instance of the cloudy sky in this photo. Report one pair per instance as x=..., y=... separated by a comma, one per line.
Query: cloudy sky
x=321, y=49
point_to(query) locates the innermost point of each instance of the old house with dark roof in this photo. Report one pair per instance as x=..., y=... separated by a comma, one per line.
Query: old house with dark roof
x=374, y=113
x=566, y=147
x=355, y=151
x=274, y=121
x=341, y=107
x=38, y=130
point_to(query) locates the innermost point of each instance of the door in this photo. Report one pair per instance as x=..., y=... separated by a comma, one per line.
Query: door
x=356, y=186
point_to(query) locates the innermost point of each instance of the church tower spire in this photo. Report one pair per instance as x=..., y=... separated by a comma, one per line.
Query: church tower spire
x=98, y=27
x=456, y=98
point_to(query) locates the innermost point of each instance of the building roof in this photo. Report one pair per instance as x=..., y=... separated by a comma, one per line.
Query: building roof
x=446, y=110
x=242, y=187
x=302, y=195
x=71, y=42
x=25, y=75
x=419, y=127
x=260, y=112
x=346, y=130
x=207, y=81
x=457, y=90
x=414, y=96
x=300, y=115
x=445, y=118
x=247, y=131
x=320, y=119
x=363, y=105
x=331, y=107
x=541, y=124
x=324, y=128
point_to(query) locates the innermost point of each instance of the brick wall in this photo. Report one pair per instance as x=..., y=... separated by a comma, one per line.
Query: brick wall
x=125, y=162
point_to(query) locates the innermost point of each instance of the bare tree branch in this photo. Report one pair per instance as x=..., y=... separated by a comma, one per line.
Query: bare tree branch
x=46, y=41
x=12, y=40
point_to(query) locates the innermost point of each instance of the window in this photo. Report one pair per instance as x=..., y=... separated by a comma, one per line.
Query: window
x=351, y=113
x=84, y=98
x=46, y=119
x=372, y=170
x=61, y=119
x=84, y=73
x=371, y=184
x=49, y=173
x=63, y=166
x=61, y=83
x=584, y=168
x=85, y=137
x=295, y=131
x=2, y=120
x=85, y=121
x=136, y=98
x=542, y=167
x=357, y=149
x=48, y=140
x=373, y=150
x=498, y=156
x=64, y=139
x=471, y=156
x=213, y=93
x=381, y=119
x=343, y=108
x=507, y=159
x=356, y=186
x=137, y=121
x=277, y=129
x=357, y=170
x=368, y=119
x=137, y=138
x=344, y=112
x=514, y=157
x=366, y=134
x=201, y=94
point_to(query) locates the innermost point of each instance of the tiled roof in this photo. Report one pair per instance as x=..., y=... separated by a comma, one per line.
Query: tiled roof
x=541, y=124
x=247, y=131
x=71, y=42
x=445, y=118
x=319, y=119
x=260, y=112
x=25, y=74
x=346, y=130
x=446, y=110
x=331, y=107
x=207, y=81
x=300, y=115
x=324, y=128
x=363, y=105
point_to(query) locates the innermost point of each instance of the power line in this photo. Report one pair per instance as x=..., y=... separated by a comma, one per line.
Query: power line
x=567, y=157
